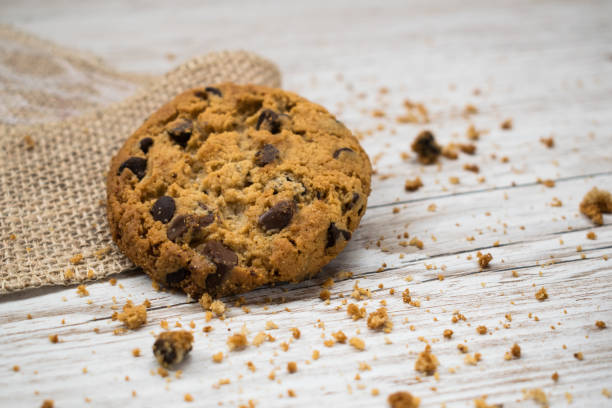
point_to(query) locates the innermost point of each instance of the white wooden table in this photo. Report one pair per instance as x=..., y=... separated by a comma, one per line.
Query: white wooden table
x=545, y=64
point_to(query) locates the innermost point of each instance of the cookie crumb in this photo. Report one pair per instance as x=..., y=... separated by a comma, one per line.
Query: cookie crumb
x=291, y=367
x=237, y=342
x=315, y=354
x=324, y=294
x=188, y=398
x=483, y=260
x=380, y=320
x=47, y=404
x=471, y=167
x=537, y=395
x=481, y=330
x=132, y=316
x=448, y=333
x=514, y=353
x=136, y=352
x=358, y=343
x=403, y=399
x=82, y=291
x=600, y=324
x=579, y=356
x=472, y=359
x=548, y=142
x=555, y=376
x=507, y=124
x=541, y=294
x=171, y=347
x=426, y=362
x=595, y=203
x=339, y=336
x=606, y=393
x=16, y=368
x=413, y=185
x=295, y=332
x=217, y=307
x=425, y=146
x=217, y=357
x=53, y=338
x=547, y=182
x=415, y=242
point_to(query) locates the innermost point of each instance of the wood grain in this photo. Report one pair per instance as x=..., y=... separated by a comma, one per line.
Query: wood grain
x=547, y=65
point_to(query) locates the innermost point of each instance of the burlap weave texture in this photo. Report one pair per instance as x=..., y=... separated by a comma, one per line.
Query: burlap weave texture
x=52, y=172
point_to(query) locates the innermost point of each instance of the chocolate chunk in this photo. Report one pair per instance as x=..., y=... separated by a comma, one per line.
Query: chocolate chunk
x=145, y=144
x=333, y=233
x=267, y=154
x=212, y=90
x=278, y=216
x=425, y=146
x=181, y=132
x=347, y=206
x=268, y=120
x=177, y=277
x=183, y=223
x=163, y=209
x=342, y=149
x=224, y=258
x=164, y=350
x=137, y=165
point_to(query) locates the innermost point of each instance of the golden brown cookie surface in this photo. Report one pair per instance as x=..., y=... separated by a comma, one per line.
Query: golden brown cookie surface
x=228, y=188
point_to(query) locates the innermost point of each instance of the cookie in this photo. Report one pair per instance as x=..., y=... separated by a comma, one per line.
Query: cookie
x=230, y=187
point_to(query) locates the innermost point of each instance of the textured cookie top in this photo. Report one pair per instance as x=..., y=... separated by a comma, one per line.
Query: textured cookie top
x=230, y=187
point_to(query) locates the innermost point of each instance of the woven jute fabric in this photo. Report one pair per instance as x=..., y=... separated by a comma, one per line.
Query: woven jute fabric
x=52, y=172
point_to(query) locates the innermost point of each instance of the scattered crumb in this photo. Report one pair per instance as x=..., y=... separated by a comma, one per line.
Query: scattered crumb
x=514, y=353
x=53, y=338
x=448, y=333
x=472, y=133
x=16, y=368
x=291, y=367
x=606, y=393
x=47, y=404
x=82, y=291
x=237, y=342
x=579, y=356
x=454, y=180
x=295, y=332
x=483, y=260
x=595, y=203
x=481, y=330
x=136, y=352
x=506, y=124
x=548, y=142
x=537, y=395
x=471, y=167
x=270, y=325
x=171, y=347
x=425, y=146
x=413, y=185
x=403, y=399
x=217, y=307
x=357, y=343
x=600, y=324
x=426, y=362
x=547, y=182
x=482, y=403
x=380, y=320
x=339, y=336
x=217, y=357
x=76, y=259
x=541, y=294
x=556, y=202
x=591, y=235
x=555, y=376
x=355, y=312
x=315, y=354
x=188, y=398
x=29, y=145
x=472, y=359
x=415, y=242
x=132, y=316
x=324, y=294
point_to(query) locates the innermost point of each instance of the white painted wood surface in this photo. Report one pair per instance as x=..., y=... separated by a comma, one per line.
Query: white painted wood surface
x=546, y=64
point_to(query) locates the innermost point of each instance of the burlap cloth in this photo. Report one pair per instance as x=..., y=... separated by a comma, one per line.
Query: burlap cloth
x=56, y=140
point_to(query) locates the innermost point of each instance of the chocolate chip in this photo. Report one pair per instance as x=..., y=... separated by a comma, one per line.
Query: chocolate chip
x=342, y=149
x=163, y=209
x=212, y=90
x=333, y=233
x=268, y=120
x=165, y=349
x=347, y=206
x=183, y=223
x=278, y=216
x=181, y=132
x=267, y=154
x=137, y=165
x=224, y=258
x=145, y=144
x=177, y=277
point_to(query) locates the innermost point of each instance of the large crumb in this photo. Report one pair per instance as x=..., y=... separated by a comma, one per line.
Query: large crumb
x=291, y=367
x=483, y=260
x=132, y=316
x=426, y=362
x=600, y=324
x=541, y=294
x=237, y=342
x=339, y=336
x=357, y=343
x=403, y=399
x=595, y=203
x=47, y=404
x=413, y=185
x=537, y=395
x=355, y=311
x=515, y=352
x=426, y=148
x=379, y=320
x=171, y=347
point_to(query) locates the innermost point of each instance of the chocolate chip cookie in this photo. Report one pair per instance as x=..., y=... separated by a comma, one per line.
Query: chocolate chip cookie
x=230, y=187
